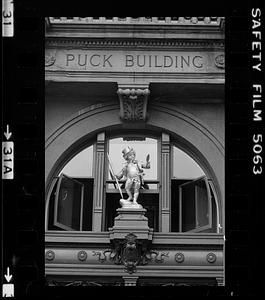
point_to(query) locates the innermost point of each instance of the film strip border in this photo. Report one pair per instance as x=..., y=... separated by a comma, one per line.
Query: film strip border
x=22, y=259
x=244, y=204
x=23, y=205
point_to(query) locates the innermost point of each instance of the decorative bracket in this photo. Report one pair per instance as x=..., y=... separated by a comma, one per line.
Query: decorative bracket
x=133, y=102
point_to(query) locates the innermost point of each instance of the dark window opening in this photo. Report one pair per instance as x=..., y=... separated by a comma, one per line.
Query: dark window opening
x=193, y=206
x=175, y=183
x=70, y=206
x=68, y=203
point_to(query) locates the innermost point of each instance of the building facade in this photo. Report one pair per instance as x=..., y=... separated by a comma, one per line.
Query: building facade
x=157, y=84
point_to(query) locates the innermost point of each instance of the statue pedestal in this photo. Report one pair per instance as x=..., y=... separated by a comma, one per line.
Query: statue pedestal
x=131, y=220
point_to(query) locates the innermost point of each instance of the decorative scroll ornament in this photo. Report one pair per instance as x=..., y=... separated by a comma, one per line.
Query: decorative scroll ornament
x=220, y=61
x=133, y=104
x=156, y=256
x=49, y=59
x=131, y=252
x=102, y=254
x=49, y=255
x=73, y=283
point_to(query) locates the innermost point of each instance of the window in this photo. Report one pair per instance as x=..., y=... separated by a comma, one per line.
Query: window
x=69, y=203
x=175, y=190
x=149, y=191
x=195, y=205
x=71, y=196
x=192, y=198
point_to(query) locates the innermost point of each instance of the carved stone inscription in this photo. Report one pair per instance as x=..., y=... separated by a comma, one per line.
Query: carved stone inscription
x=134, y=61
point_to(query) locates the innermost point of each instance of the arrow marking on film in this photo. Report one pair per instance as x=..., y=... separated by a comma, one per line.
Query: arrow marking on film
x=7, y=133
x=8, y=276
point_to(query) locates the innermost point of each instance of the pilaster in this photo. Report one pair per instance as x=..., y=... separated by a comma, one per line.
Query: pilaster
x=130, y=280
x=97, y=217
x=220, y=281
x=165, y=183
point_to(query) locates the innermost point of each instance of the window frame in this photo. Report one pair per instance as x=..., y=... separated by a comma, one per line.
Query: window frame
x=56, y=203
x=209, y=201
x=157, y=191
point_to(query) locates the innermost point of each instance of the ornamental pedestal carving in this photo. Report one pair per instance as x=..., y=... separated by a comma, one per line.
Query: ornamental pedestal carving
x=130, y=237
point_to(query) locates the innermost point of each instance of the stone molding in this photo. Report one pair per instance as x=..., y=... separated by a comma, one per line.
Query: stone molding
x=138, y=20
x=101, y=238
x=147, y=254
x=217, y=77
x=156, y=259
x=121, y=43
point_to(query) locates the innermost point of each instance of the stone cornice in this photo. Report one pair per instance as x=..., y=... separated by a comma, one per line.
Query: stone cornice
x=187, y=28
x=139, y=20
x=154, y=25
x=64, y=76
x=173, y=238
x=138, y=44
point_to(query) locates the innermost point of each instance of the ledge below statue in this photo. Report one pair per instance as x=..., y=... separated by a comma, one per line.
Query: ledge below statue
x=131, y=220
x=129, y=204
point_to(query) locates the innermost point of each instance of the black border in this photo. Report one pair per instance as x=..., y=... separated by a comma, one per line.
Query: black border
x=23, y=110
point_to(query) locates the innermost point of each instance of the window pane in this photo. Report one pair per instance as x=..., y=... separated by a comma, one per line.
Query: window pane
x=188, y=208
x=142, y=148
x=184, y=166
x=68, y=203
x=80, y=165
x=202, y=217
x=196, y=205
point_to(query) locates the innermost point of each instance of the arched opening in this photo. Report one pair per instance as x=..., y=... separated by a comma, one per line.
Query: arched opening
x=191, y=188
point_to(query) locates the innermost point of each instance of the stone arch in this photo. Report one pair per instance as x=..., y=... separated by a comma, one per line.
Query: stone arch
x=190, y=134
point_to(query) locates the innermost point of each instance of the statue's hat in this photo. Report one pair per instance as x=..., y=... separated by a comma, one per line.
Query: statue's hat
x=126, y=151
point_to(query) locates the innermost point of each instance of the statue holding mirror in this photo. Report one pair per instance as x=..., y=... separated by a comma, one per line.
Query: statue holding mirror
x=133, y=173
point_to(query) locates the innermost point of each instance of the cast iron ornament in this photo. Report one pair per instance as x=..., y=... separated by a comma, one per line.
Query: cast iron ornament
x=50, y=255
x=211, y=257
x=179, y=257
x=82, y=255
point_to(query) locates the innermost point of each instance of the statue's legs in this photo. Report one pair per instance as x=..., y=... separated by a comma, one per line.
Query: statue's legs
x=128, y=187
x=136, y=192
x=129, y=194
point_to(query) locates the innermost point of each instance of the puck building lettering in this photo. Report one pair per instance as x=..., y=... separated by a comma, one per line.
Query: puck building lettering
x=154, y=85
